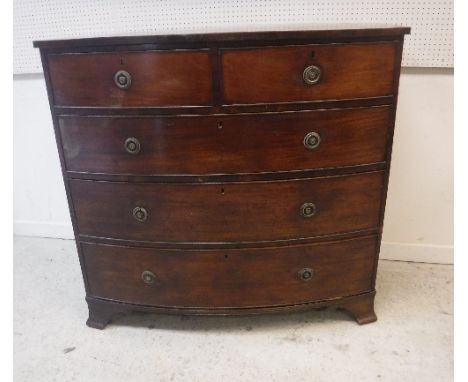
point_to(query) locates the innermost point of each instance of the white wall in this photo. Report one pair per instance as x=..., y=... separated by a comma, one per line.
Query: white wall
x=40, y=205
x=419, y=216
x=430, y=43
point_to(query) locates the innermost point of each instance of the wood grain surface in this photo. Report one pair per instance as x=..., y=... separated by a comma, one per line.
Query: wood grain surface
x=230, y=278
x=158, y=79
x=225, y=144
x=227, y=212
x=265, y=75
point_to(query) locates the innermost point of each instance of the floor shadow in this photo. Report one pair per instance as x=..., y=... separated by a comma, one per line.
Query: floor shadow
x=230, y=323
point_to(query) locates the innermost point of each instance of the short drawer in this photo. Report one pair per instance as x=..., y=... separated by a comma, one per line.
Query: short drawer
x=225, y=144
x=230, y=278
x=308, y=72
x=130, y=79
x=228, y=212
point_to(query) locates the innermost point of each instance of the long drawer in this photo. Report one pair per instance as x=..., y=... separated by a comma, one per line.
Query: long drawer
x=132, y=79
x=230, y=278
x=308, y=72
x=225, y=144
x=228, y=212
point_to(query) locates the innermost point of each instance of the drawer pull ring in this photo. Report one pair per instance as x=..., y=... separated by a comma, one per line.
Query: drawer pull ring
x=122, y=79
x=140, y=214
x=308, y=210
x=312, y=140
x=305, y=274
x=132, y=145
x=148, y=277
x=311, y=74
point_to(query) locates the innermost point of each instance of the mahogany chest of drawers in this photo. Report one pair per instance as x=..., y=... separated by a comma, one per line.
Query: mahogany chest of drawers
x=225, y=174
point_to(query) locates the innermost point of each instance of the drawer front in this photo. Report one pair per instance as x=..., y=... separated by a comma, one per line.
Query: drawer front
x=227, y=212
x=153, y=79
x=269, y=75
x=230, y=278
x=225, y=144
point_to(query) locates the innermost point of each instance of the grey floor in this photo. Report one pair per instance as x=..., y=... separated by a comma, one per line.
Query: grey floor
x=411, y=341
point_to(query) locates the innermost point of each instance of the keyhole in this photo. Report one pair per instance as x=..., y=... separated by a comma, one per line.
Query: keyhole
x=226, y=257
x=312, y=55
x=220, y=125
x=222, y=191
x=121, y=61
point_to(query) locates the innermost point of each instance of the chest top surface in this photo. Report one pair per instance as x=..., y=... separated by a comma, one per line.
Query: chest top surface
x=320, y=32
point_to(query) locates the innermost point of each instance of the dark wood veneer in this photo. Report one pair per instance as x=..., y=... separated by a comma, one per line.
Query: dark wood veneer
x=157, y=79
x=224, y=204
x=275, y=74
x=223, y=109
x=227, y=212
x=236, y=278
x=225, y=144
x=325, y=33
x=360, y=307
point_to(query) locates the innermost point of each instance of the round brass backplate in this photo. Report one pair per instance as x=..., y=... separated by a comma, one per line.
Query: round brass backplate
x=305, y=274
x=148, y=277
x=308, y=210
x=312, y=74
x=122, y=79
x=312, y=140
x=140, y=214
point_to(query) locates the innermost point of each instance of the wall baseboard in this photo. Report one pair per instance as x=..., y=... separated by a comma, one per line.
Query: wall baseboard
x=420, y=253
x=423, y=253
x=43, y=229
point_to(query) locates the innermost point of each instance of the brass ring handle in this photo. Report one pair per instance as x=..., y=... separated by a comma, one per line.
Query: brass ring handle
x=312, y=74
x=132, y=145
x=148, y=277
x=312, y=140
x=308, y=210
x=122, y=79
x=140, y=214
x=305, y=274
